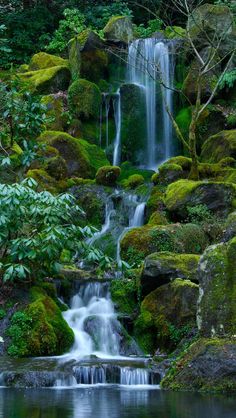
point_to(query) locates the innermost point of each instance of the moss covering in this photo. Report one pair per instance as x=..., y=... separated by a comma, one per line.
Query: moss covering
x=217, y=309
x=55, y=112
x=84, y=99
x=47, y=182
x=107, y=175
x=207, y=366
x=168, y=173
x=119, y=29
x=82, y=159
x=219, y=146
x=40, y=329
x=127, y=170
x=124, y=293
x=145, y=240
x=133, y=181
x=42, y=60
x=217, y=196
x=167, y=315
x=183, y=119
x=46, y=81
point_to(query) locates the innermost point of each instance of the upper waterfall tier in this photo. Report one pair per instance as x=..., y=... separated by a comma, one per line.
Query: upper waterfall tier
x=151, y=67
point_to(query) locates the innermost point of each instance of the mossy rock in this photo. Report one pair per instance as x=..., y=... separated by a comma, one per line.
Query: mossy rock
x=208, y=81
x=49, y=80
x=84, y=99
x=127, y=170
x=168, y=173
x=124, y=293
x=134, y=181
x=133, y=127
x=167, y=315
x=108, y=175
x=47, y=182
x=119, y=29
x=81, y=58
x=217, y=308
x=208, y=365
x=210, y=19
x=42, y=330
x=94, y=65
x=160, y=268
x=82, y=159
x=155, y=201
x=184, y=162
x=55, y=105
x=42, y=61
x=219, y=146
x=158, y=218
x=180, y=238
x=57, y=168
x=217, y=196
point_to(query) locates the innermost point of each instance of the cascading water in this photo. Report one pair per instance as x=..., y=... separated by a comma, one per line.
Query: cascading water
x=117, y=116
x=150, y=62
x=92, y=319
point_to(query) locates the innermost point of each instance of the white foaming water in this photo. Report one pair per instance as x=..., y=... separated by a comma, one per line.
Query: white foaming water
x=149, y=61
x=117, y=116
x=129, y=376
x=90, y=317
x=109, y=211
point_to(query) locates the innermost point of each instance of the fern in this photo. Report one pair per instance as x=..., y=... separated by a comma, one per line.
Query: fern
x=228, y=79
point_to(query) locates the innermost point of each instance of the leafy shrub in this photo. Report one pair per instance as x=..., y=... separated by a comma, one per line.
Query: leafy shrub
x=228, y=79
x=154, y=25
x=34, y=229
x=199, y=213
x=72, y=24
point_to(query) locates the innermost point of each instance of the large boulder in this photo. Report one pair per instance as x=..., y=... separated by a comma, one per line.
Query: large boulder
x=209, y=365
x=82, y=159
x=218, y=197
x=216, y=306
x=42, y=60
x=55, y=105
x=143, y=241
x=48, y=80
x=119, y=29
x=161, y=268
x=87, y=56
x=133, y=128
x=84, y=99
x=211, y=20
x=208, y=81
x=219, y=146
x=167, y=315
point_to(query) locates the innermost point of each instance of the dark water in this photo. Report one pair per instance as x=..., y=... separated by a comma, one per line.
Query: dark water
x=100, y=402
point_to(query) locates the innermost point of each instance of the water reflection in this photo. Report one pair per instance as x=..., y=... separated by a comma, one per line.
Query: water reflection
x=110, y=402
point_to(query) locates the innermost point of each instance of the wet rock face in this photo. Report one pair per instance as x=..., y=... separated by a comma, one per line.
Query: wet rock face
x=209, y=365
x=217, y=197
x=161, y=268
x=119, y=29
x=216, y=305
x=167, y=315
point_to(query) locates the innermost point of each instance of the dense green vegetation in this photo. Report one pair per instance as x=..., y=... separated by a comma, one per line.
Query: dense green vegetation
x=62, y=79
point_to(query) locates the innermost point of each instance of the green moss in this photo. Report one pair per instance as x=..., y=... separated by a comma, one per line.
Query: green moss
x=193, y=370
x=219, y=146
x=124, y=294
x=49, y=80
x=133, y=181
x=158, y=218
x=183, y=119
x=94, y=65
x=175, y=32
x=40, y=329
x=42, y=61
x=108, y=175
x=118, y=28
x=187, y=238
x=168, y=173
x=127, y=170
x=155, y=201
x=55, y=112
x=46, y=182
x=82, y=159
x=84, y=99
x=184, y=162
x=57, y=168
x=168, y=313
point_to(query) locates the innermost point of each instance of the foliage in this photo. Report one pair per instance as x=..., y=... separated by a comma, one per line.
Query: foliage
x=154, y=25
x=98, y=16
x=23, y=118
x=199, y=213
x=20, y=327
x=34, y=229
x=72, y=24
x=2, y=313
x=5, y=50
x=228, y=80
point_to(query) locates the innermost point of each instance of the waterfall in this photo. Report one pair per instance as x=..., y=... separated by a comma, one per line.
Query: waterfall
x=149, y=61
x=109, y=211
x=138, y=218
x=117, y=116
x=91, y=317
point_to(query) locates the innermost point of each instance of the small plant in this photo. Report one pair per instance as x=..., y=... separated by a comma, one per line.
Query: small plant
x=198, y=214
x=2, y=313
x=20, y=327
x=154, y=25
